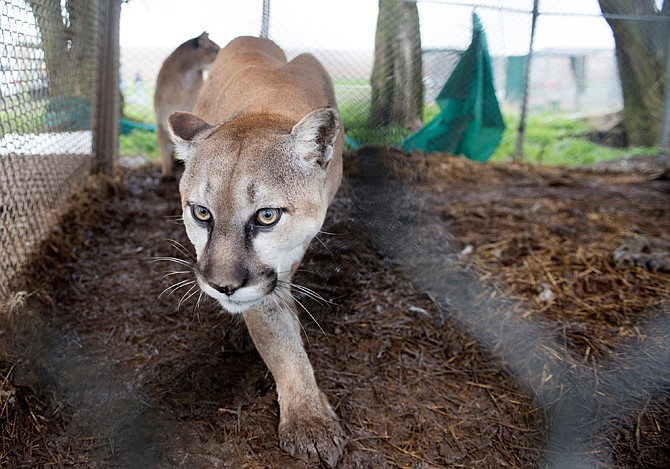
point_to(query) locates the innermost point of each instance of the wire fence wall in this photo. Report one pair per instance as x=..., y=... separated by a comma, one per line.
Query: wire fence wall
x=59, y=79
x=49, y=110
x=574, y=70
x=52, y=74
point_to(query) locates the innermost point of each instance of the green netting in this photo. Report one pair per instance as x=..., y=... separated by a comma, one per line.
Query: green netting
x=469, y=122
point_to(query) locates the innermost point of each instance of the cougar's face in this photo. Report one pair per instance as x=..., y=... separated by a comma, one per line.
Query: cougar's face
x=205, y=50
x=250, y=215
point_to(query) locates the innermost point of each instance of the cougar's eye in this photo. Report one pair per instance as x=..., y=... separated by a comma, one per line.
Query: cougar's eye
x=268, y=216
x=201, y=214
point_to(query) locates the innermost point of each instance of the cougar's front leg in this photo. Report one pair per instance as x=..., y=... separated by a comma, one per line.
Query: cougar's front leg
x=309, y=429
x=166, y=147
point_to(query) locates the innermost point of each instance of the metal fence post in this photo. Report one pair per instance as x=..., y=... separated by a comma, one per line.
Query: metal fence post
x=265, y=25
x=664, y=137
x=518, y=150
x=107, y=112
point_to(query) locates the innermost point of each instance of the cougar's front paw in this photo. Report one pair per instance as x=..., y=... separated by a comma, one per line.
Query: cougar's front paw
x=313, y=436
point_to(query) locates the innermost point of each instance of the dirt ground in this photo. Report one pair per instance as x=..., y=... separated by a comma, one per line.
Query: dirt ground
x=473, y=315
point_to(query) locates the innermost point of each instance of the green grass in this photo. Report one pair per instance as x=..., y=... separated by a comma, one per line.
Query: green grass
x=554, y=140
x=355, y=116
x=346, y=81
x=551, y=139
x=139, y=107
x=21, y=115
x=139, y=142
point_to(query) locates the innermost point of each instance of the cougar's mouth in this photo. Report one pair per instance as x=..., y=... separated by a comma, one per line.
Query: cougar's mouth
x=242, y=299
x=237, y=307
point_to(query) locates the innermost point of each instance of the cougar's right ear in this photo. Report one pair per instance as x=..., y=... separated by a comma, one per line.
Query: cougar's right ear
x=185, y=129
x=314, y=136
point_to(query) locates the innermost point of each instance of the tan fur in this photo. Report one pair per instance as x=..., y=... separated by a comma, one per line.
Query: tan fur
x=180, y=79
x=265, y=138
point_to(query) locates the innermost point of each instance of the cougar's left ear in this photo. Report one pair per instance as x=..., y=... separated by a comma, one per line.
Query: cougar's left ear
x=185, y=129
x=314, y=136
x=201, y=39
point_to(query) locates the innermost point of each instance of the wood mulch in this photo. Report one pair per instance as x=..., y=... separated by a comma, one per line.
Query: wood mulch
x=474, y=315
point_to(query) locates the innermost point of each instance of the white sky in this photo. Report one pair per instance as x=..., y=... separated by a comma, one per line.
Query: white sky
x=350, y=24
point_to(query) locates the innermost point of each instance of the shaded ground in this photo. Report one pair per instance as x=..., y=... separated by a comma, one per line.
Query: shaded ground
x=476, y=317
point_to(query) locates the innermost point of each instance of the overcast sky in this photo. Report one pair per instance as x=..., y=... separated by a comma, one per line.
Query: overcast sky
x=350, y=24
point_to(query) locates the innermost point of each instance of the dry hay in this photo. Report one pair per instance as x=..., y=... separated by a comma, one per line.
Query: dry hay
x=476, y=318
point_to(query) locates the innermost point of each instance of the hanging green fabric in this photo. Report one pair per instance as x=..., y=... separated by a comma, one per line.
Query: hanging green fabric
x=469, y=122
x=515, y=73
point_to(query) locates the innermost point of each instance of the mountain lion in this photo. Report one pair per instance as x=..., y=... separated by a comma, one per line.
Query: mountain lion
x=263, y=160
x=180, y=79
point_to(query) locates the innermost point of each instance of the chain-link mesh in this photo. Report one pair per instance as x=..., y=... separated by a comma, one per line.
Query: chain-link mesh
x=573, y=72
x=48, y=62
x=47, y=84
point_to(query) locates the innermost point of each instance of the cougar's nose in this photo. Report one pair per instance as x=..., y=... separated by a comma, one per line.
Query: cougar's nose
x=229, y=289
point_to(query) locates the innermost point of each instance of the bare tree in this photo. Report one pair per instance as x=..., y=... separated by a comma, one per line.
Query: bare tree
x=641, y=51
x=397, y=87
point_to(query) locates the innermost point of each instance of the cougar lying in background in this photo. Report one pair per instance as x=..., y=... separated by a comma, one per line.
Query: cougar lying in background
x=263, y=160
x=180, y=79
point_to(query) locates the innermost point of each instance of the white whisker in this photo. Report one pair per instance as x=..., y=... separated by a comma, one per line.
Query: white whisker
x=323, y=244
x=292, y=312
x=187, y=295
x=329, y=233
x=180, y=247
x=175, y=287
x=308, y=292
x=308, y=271
x=196, y=308
x=310, y=315
x=176, y=219
x=176, y=272
x=176, y=260
x=189, y=282
x=273, y=296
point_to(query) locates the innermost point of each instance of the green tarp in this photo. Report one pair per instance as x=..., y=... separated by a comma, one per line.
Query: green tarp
x=469, y=122
x=515, y=71
x=67, y=114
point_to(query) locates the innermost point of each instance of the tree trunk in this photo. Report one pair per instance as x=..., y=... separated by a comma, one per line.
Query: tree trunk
x=397, y=87
x=641, y=52
x=68, y=38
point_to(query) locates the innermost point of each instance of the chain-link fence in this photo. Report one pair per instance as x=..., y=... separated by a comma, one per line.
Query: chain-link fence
x=570, y=70
x=59, y=120
x=50, y=108
x=51, y=75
